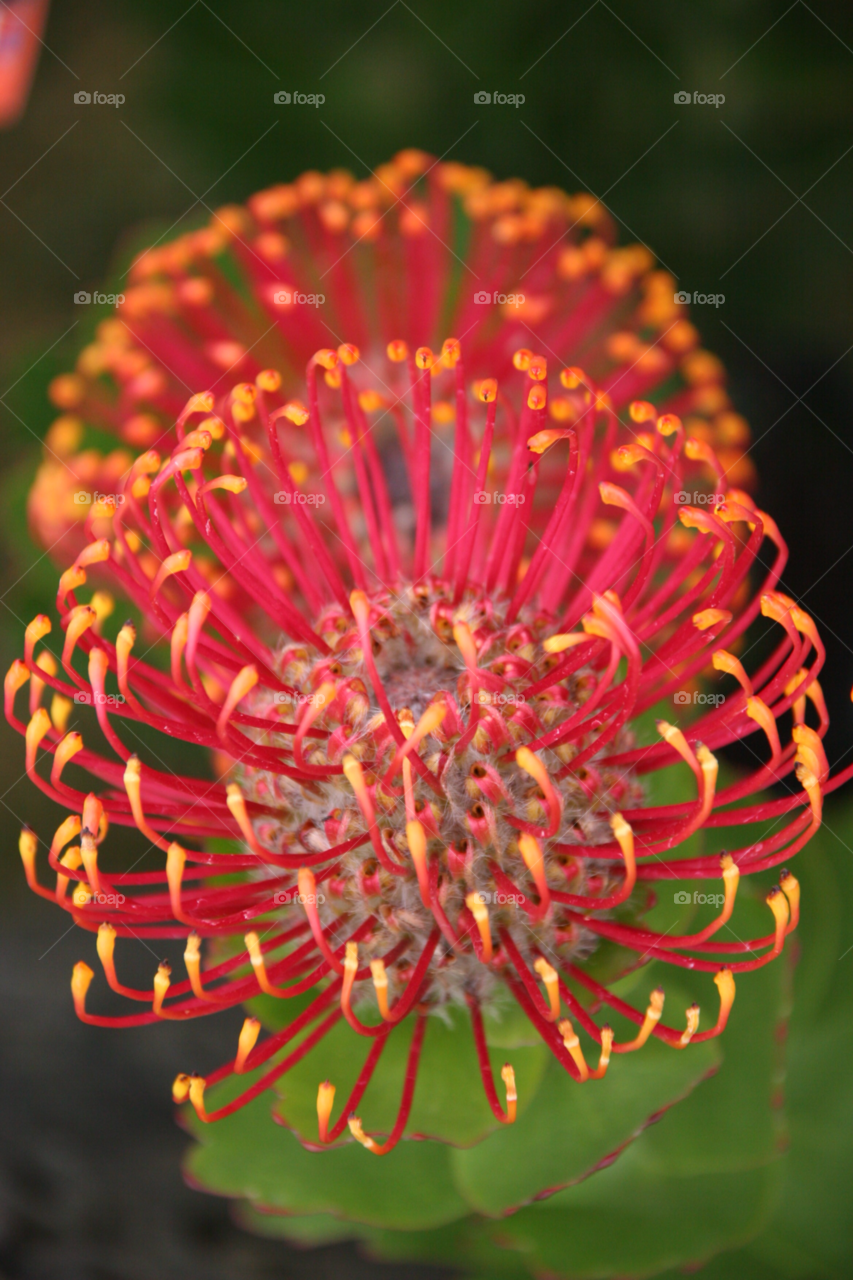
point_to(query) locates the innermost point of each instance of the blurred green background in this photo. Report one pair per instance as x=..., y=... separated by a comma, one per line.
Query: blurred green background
x=749, y=199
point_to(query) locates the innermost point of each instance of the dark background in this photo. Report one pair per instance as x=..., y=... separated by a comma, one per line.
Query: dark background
x=750, y=199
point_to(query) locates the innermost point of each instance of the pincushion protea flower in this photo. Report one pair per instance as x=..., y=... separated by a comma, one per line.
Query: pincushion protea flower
x=421, y=710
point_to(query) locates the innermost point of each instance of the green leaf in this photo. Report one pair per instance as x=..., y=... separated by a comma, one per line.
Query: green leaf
x=307, y=1231
x=569, y=1129
x=449, y=1102
x=732, y=1122
x=627, y=1223
x=249, y=1157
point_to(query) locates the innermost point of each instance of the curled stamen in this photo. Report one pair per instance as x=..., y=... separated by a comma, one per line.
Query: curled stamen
x=308, y=898
x=650, y=1021
x=416, y=837
x=790, y=886
x=162, y=982
x=531, y=852
x=508, y=1077
x=240, y=686
x=548, y=974
x=692, y=1026
x=474, y=903
x=133, y=787
x=350, y=970
x=604, y=1057
x=249, y=1033
x=380, y=983
x=573, y=1045
x=192, y=960
x=325, y=1102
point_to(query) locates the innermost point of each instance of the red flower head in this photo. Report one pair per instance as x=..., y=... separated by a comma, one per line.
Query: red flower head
x=415, y=607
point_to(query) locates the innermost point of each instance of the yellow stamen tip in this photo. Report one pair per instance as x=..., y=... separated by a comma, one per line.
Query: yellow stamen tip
x=249, y=1033
x=181, y=1087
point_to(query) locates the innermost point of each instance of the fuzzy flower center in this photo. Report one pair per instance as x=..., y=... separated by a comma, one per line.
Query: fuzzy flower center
x=456, y=823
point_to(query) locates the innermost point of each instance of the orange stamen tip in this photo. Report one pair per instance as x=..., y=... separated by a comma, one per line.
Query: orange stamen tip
x=306, y=883
x=508, y=1077
x=556, y=644
x=548, y=974
x=181, y=1087
x=477, y=907
x=81, y=978
x=543, y=440
x=572, y=378
x=325, y=1102
x=641, y=411
x=27, y=847
x=360, y=1136
x=692, y=1025
x=668, y=424
x=249, y=1033
x=487, y=391
x=778, y=904
x=353, y=773
x=294, y=412
x=521, y=359
x=606, y=1049
x=192, y=951
x=196, y=1094
x=537, y=397
x=161, y=984
x=325, y=357
x=424, y=358
x=380, y=983
x=268, y=380
x=572, y=1045
x=360, y=606
x=725, y=984
x=451, y=352
x=416, y=837
x=790, y=886
x=397, y=351
x=16, y=677
x=707, y=618
x=60, y=709
x=105, y=944
x=348, y=353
